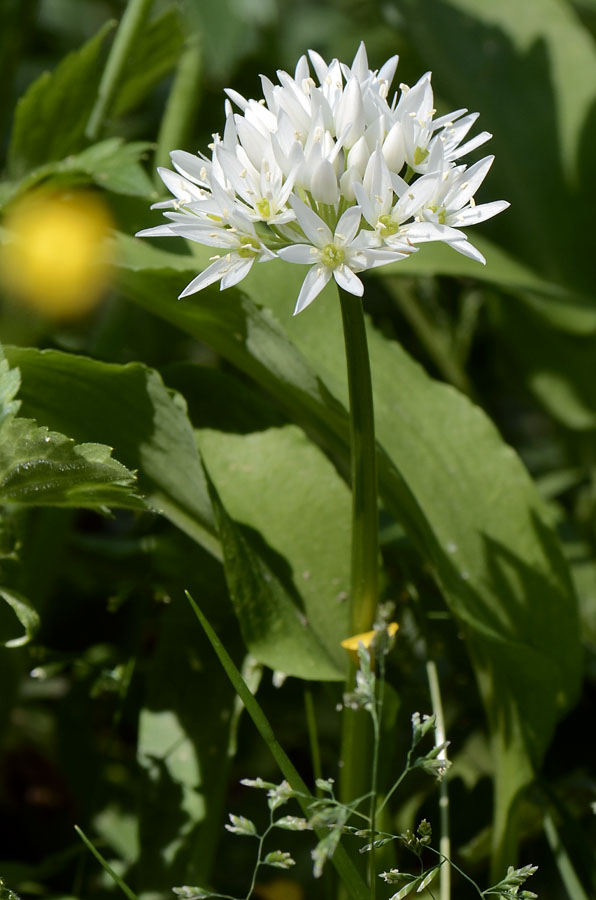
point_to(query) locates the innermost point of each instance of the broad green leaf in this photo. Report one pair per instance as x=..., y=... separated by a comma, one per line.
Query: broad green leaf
x=50, y=118
x=463, y=496
x=129, y=407
x=42, y=467
x=25, y=613
x=155, y=52
x=291, y=599
x=111, y=164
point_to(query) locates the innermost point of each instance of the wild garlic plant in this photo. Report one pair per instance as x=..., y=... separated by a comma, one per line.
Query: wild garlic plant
x=331, y=819
x=331, y=170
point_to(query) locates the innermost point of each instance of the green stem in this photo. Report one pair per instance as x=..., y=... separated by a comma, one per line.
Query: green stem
x=356, y=747
x=134, y=15
x=365, y=526
x=183, y=99
x=445, y=842
x=313, y=737
x=130, y=894
x=342, y=862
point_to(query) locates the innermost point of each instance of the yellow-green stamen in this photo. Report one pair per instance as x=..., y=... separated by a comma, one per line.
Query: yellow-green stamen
x=419, y=155
x=264, y=208
x=248, y=247
x=332, y=256
x=388, y=226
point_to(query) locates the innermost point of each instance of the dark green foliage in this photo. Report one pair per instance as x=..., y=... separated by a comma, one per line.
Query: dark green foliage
x=215, y=430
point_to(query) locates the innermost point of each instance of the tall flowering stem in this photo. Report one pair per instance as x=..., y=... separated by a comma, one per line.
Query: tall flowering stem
x=365, y=529
x=356, y=744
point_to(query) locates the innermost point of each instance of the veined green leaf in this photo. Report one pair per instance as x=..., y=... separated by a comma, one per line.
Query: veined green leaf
x=111, y=164
x=462, y=495
x=129, y=407
x=291, y=599
x=50, y=118
x=42, y=467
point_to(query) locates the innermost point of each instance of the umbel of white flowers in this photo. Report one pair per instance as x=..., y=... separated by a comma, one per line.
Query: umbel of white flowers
x=334, y=174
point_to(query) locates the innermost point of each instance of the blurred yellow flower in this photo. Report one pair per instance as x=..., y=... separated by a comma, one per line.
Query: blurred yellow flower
x=54, y=255
x=351, y=644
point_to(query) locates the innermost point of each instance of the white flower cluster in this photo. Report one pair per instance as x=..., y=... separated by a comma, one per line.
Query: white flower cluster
x=330, y=174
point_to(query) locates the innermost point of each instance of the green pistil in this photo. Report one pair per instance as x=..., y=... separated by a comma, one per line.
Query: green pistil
x=332, y=256
x=441, y=213
x=388, y=226
x=264, y=208
x=248, y=247
x=419, y=155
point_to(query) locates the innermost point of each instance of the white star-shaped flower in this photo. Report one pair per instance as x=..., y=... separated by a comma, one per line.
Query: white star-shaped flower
x=338, y=254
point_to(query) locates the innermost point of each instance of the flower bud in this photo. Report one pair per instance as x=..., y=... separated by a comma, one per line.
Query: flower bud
x=323, y=183
x=358, y=156
x=394, y=148
x=349, y=118
x=346, y=183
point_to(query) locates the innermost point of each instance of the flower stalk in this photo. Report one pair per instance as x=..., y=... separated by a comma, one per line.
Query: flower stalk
x=356, y=741
x=365, y=527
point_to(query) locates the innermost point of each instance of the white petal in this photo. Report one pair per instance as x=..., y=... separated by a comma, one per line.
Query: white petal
x=463, y=192
x=468, y=249
x=319, y=65
x=480, y=139
x=313, y=284
x=377, y=182
x=252, y=140
x=365, y=205
x=303, y=254
x=376, y=258
x=387, y=70
x=347, y=226
x=236, y=98
x=238, y=270
x=474, y=214
x=317, y=232
x=429, y=231
x=156, y=231
x=188, y=164
x=211, y=274
x=348, y=281
x=360, y=63
x=417, y=196
x=448, y=119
